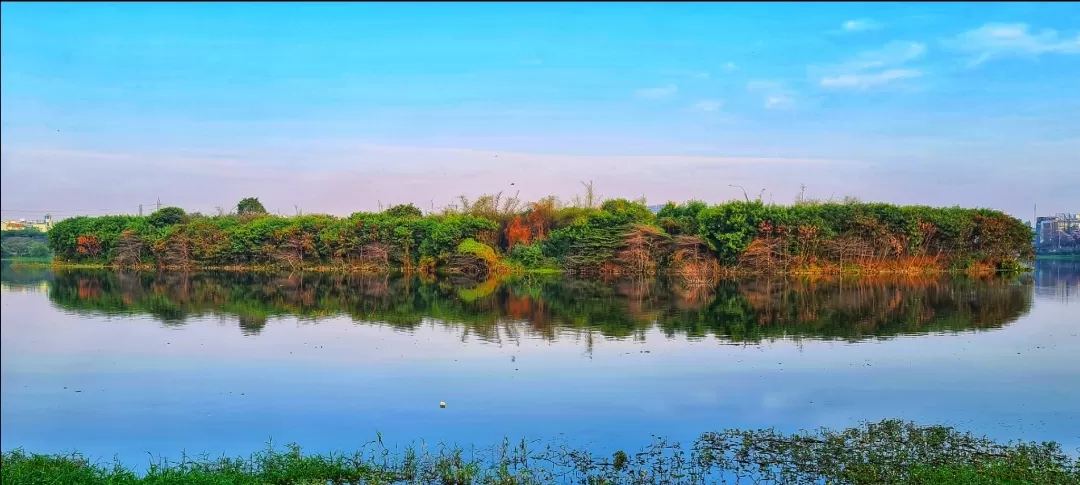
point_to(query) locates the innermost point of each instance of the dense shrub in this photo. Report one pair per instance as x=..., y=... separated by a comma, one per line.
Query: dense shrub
x=616, y=235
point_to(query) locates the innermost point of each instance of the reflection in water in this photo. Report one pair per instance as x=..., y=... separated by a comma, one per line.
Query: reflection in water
x=1057, y=279
x=25, y=279
x=507, y=358
x=745, y=311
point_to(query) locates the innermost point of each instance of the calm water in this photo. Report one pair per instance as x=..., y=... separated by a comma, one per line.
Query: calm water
x=127, y=364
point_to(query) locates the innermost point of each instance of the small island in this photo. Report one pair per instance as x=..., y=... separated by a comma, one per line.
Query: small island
x=495, y=235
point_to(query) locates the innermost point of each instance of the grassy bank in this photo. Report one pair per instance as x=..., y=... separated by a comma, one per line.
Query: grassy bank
x=27, y=260
x=884, y=453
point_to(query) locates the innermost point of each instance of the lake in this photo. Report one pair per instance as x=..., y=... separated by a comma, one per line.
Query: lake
x=140, y=364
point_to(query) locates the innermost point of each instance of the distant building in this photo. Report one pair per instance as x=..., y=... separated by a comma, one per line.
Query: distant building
x=42, y=225
x=1046, y=228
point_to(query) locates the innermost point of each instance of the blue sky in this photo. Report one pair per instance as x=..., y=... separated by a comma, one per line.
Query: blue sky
x=338, y=107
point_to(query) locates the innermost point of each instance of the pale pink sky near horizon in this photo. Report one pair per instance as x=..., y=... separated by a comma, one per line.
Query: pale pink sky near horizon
x=357, y=177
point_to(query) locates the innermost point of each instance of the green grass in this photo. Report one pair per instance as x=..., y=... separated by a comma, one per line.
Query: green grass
x=28, y=260
x=549, y=271
x=886, y=453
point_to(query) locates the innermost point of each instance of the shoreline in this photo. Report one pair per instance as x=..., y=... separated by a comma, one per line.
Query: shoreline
x=887, y=452
x=723, y=273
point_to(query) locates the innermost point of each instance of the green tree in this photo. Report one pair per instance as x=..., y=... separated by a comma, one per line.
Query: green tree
x=729, y=228
x=404, y=211
x=38, y=250
x=250, y=205
x=168, y=216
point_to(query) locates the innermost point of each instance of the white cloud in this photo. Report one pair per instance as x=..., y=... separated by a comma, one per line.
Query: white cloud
x=775, y=95
x=874, y=68
x=892, y=54
x=996, y=40
x=729, y=66
x=778, y=102
x=709, y=105
x=868, y=80
x=860, y=25
x=658, y=93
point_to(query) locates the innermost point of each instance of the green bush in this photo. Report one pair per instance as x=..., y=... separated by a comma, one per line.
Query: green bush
x=531, y=256
x=167, y=216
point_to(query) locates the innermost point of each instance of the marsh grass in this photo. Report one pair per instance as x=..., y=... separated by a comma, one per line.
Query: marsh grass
x=887, y=452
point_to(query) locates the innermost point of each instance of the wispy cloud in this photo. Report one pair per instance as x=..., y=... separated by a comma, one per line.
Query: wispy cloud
x=729, y=66
x=874, y=68
x=779, y=101
x=868, y=80
x=775, y=95
x=662, y=92
x=892, y=54
x=709, y=105
x=998, y=40
x=860, y=25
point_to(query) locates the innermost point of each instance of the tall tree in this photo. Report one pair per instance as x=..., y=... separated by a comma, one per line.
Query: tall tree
x=250, y=205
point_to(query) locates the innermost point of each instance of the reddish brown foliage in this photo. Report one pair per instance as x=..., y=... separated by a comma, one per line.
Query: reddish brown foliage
x=518, y=307
x=517, y=232
x=295, y=245
x=88, y=245
x=641, y=246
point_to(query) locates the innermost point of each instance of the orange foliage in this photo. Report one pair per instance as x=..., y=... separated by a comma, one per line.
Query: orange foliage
x=88, y=245
x=537, y=224
x=89, y=290
x=518, y=307
x=517, y=232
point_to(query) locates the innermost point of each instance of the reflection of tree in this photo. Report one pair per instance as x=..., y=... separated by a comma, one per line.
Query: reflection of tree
x=855, y=309
x=23, y=276
x=548, y=307
x=252, y=324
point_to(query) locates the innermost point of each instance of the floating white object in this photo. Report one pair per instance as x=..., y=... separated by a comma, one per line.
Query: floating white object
x=442, y=404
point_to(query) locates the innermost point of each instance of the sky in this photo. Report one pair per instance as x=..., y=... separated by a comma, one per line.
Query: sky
x=343, y=107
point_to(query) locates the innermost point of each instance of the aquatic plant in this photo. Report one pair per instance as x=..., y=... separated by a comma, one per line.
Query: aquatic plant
x=889, y=452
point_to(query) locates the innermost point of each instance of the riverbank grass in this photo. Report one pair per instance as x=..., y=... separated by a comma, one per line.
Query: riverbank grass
x=889, y=452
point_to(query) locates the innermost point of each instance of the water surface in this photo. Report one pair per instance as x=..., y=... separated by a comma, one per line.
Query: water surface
x=135, y=363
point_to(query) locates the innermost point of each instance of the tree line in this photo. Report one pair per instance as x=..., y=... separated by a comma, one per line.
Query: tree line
x=24, y=243
x=496, y=234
